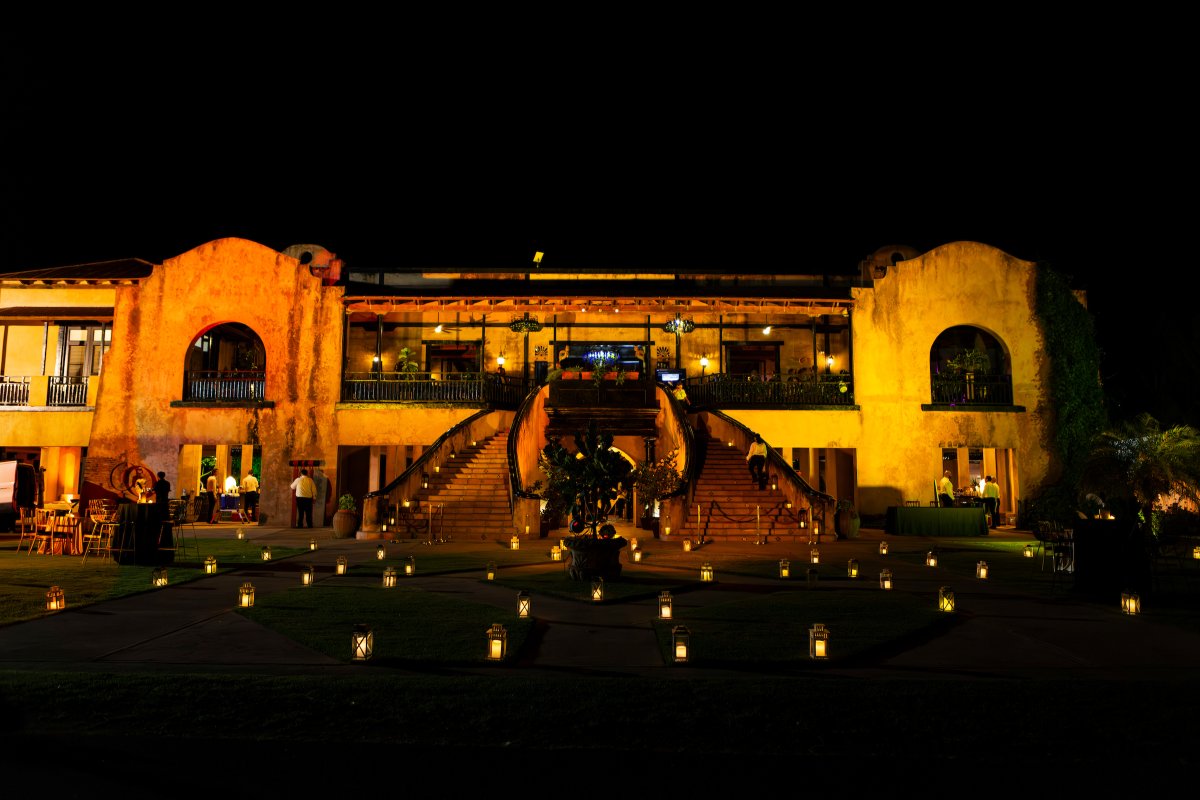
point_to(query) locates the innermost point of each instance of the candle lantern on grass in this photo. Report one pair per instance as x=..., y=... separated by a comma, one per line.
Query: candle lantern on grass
x=56, y=600
x=681, y=643
x=362, y=642
x=785, y=569
x=818, y=641
x=158, y=578
x=885, y=579
x=852, y=569
x=981, y=570
x=210, y=565
x=308, y=575
x=497, y=638
x=246, y=595
x=389, y=577
x=341, y=565
x=945, y=599
x=664, y=605
x=523, y=602
x=706, y=572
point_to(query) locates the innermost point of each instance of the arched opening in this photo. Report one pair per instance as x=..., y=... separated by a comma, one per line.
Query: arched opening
x=969, y=366
x=226, y=363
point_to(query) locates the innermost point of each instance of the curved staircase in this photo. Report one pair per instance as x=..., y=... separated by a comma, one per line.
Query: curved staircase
x=469, y=494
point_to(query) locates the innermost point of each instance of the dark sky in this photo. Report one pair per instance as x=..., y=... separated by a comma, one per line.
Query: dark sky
x=122, y=153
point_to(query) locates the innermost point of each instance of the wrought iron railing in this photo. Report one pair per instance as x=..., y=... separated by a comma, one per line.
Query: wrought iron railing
x=427, y=387
x=14, y=390
x=982, y=390
x=225, y=386
x=65, y=390
x=733, y=391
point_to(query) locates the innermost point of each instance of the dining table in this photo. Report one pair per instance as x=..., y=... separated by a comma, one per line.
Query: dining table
x=139, y=526
x=924, y=521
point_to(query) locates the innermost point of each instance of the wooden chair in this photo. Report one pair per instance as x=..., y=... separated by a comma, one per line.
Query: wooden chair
x=912, y=503
x=43, y=531
x=26, y=526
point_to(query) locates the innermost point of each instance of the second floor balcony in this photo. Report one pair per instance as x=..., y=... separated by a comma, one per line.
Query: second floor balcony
x=464, y=388
x=971, y=390
x=748, y=391
x=224, y=386
x=47, y=390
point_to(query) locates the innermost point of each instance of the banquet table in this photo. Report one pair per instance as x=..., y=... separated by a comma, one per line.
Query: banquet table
x=959, y=521
x=68, y=533
x=138, y=528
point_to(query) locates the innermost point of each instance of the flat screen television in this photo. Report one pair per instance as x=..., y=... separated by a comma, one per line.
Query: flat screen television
x=670, y=375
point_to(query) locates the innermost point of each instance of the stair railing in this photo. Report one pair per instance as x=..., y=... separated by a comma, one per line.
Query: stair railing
x=678, y=416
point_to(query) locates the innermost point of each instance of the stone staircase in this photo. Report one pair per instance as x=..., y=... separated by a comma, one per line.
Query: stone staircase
x=731, y=502
x=469, y=493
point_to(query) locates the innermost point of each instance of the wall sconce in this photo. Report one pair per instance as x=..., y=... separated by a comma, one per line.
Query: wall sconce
x=55, y=599
x=246, y=595
x=785, y=569
x=490, y=572
x=945, y=598
x=523, y=604
x=380, y=553
x=1028, y=551
x=828, y=363
x=598, y=589
x=703, y=365
x=681, y=642
x=885, y=579
x=308, y=575
x=406, y=502
x=266, y=552
x=389, y=577
x=158, y=577
x=497, y=642
x=664, y=605
x=362, y=642
x=556, y=553
x=687, y=545
x=312, y=544
x=1131, y=603
x=883, y=548
x=637, y=555
x=410, y=567
x=241, y=533
x=818, y=641
x=341, y=565
x=981, y=570
x=731, y=443
x=514, y=543
x=774, y=483
x=931, y=559
x=706, y=572
x=852, y=569
x=210, y=565
x=767, y=330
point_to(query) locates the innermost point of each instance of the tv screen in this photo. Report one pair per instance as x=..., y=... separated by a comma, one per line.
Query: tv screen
x=671, y=375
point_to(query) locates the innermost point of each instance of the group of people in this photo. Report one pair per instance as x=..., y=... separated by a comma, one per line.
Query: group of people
x=249, y=490
x=990, y=496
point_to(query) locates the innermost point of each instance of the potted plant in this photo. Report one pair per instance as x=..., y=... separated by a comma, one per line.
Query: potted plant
x=968, y=363
x=652, y=481
x=345, y=519
x=582, y=483
x=848, y=521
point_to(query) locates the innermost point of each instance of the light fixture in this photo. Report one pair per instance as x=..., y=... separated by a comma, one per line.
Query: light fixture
x=818, y=641
x=1131, y=603
x=389, y=577
x=785, y=569
x=266, y=552
x=706, y=572
x=598, y=589
x=814, y=556
x=679, y=326
x=341, y=565
x=1028, y=551
x=703, y=364
x=410, y=567
x=981, y=570
x=514, y=543
x=828, y=362
x=664, y=605
x=523, y=604
x=852, y=569
x=931, y=559
x=246, y=595
x=945, y=598
x=55, y=599
x=500, y=361
x=490, y=572
x=537, y=258
x=556, y=553
x=885, y=579
x=158, y=577
x=380, y=553
x=241, y=533
x=883, y=548
x=308, y=575
x=681, y=642
x=312, y=544
x=637, y=554
x=362, y=642
x=767, y=331
x=687, y=545
x=1196, y=552
x=497, y=642
x=210, y=565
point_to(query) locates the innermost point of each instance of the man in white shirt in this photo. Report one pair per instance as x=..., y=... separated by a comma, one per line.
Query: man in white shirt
x=306, y=491
x=250, y=495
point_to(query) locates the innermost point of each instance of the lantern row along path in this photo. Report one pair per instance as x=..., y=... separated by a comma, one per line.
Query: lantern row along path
x=996, y=633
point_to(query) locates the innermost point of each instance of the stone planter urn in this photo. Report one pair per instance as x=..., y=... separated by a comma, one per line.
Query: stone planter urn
x=345, y=524
x=594, y=558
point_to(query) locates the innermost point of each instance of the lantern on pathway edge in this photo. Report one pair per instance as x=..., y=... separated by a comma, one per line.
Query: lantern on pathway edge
x=362, y=642
x=597, y=589
x=981, y=570
x=664, y=605
x=266, y=553
x=389, y=577
x=706, y=572
x=490, y=572
x=883, y=547
x=680, y=643
x=945, y=598
x=341, y=565
x=814, y=556
x=633, y=543
x=931, y=559
x=1196, y=552
x=308, y=575
x=1131, y=603
x=785, y=569
x=497, y=642
x=55, y=599
x=380, y=553
x=885, y=579
x=523, y=604
x=637, y=554
x=210, y=565
x=312, y=544
x=1028, y=551
x=818, y=641
x=410, y=567
x=556, y=553
x=241, y=533
x=246, y=595
x=687, y=545
x=158, y=578
x=852, y=569
x=514, y=543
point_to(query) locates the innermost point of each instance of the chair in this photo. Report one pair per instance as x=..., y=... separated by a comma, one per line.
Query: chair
x=26, y=525
x=183, y=513
x=43, y=531
x=100, y=537
x=912, y=503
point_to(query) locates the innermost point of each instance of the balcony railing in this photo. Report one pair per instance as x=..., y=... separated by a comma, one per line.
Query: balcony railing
x=14, y=391
x=67, y=391
x=224, y=386
x=467, y=388
x=982, y=390
x=732, y=391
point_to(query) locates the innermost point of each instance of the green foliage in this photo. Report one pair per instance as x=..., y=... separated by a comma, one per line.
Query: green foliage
x=969, y=360
x=582, y=482
x=347, y=503
x=406, y=361
x=654, y=480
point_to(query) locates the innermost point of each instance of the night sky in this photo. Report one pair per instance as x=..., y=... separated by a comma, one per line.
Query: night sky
x=119, y=153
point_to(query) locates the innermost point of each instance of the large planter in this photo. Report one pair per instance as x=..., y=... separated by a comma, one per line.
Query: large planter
x=345, y=524
x=594, y=558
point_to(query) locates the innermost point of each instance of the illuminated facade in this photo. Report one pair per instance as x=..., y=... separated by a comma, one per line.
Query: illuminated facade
x=233, y=354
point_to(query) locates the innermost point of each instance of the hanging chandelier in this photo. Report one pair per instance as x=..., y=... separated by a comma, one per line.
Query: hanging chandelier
x=525, y=324
x=679, y=325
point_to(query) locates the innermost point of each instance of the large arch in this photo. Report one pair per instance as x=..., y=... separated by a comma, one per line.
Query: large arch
x=987, y=382
x=226, y=362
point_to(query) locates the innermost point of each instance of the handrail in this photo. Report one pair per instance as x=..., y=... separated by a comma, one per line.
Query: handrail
x=422, y=460
x=687, y=485
x=516, y=488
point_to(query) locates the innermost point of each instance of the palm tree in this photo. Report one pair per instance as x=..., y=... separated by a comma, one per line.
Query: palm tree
x=1133, y=465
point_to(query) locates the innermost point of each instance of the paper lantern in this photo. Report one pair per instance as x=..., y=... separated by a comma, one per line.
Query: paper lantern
x=598, y=589
x=158, y=577
x=497, y=642
x=785, y=569
x=410, y=567
x=885, y=579
x=981, y=570
x=490, y=572
x=514, y=543
x=931, y=559
x=706, y=572
x=389, y=577
x=241, y=534
x=681, y=643
x=852, y=569
x=945, y=598
x=55, y=599
x=818, y=641
x=210, y=565
x=308, y=575
x=883, y=548
x=814, y=556
x=523, y=604
x=312, y=544
x=556, y=553
x=246, y=595
x=1131, y=603
x=637, y=555
x=687, y=545
x=664, y=605
x=380, y=553
x=362, y=642
x=341, y=565
x=266, y=553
